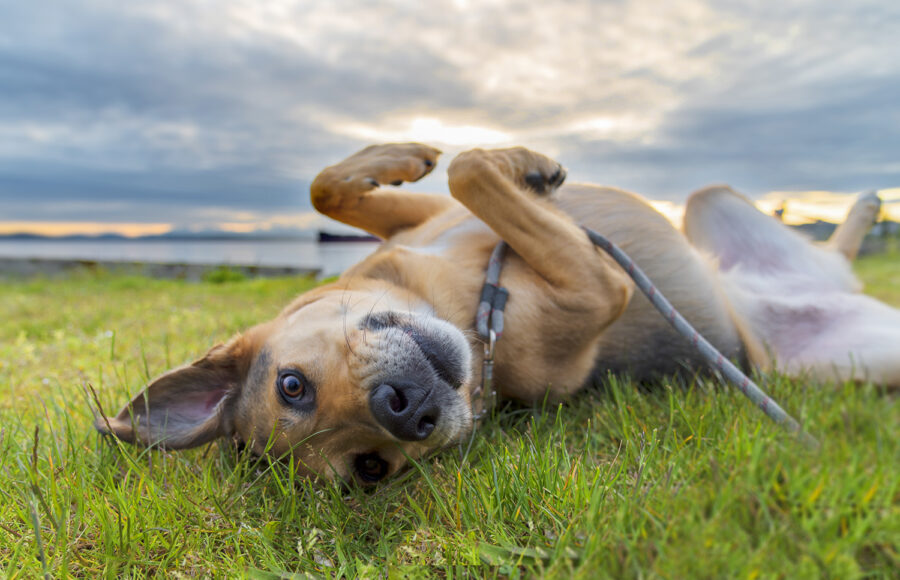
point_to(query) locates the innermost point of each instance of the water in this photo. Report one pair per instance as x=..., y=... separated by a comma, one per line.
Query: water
x=328, y=258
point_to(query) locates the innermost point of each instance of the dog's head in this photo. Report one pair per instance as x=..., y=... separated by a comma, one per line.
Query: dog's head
x=349, y=382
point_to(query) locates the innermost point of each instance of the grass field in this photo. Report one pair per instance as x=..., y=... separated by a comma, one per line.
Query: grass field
x=681, y=483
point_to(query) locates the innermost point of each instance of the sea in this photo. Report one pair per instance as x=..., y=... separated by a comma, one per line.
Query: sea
x=328, y=258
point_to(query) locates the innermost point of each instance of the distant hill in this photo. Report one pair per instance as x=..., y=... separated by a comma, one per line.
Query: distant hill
x=23, y=236
x=818, y=230
x=821, y=230
x=874, y=243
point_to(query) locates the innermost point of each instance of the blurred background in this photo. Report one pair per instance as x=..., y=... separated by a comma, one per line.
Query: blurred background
x=205, y=121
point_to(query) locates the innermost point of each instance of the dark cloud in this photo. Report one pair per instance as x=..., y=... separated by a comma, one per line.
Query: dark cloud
x=848, y=144
x=838, y=134
x=124, y=111
x=110, y=105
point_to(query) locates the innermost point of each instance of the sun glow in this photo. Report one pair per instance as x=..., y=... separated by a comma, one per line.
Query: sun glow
x=801, y=207
x=56, y=229
x=674, y=212
x=807, y=206
x=427, y=130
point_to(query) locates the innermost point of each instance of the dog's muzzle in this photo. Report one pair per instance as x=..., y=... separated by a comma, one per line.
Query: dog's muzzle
x=424, y=362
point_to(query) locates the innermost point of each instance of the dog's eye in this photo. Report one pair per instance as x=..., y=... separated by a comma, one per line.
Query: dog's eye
x=370, y=467
x=291, y=385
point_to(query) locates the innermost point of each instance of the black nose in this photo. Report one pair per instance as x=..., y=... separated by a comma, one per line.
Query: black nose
x=406, y=409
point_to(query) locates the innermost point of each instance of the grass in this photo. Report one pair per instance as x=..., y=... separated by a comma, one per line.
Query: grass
x=682, y=482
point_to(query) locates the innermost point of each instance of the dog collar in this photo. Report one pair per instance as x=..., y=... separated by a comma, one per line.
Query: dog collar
x=489, y=325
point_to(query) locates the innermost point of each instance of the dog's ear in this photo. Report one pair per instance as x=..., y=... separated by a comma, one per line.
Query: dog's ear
x=188, y=406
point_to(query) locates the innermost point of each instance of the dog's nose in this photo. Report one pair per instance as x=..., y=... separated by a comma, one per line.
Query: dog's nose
x=407, y=410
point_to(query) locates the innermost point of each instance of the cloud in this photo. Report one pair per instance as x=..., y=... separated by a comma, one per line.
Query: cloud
x=157, y=112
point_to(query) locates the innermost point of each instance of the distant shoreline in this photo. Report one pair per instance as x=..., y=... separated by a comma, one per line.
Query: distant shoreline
x=309, y=236
x=153, y=239
x=200, y=258
x=29, y=267
x=187, y=258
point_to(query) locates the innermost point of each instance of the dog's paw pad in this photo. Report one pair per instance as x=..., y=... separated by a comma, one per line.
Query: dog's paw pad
x=558, y=177
x=543, y=184
x=536, y=181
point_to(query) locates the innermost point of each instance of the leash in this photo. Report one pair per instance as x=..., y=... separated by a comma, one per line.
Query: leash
x=489, y=325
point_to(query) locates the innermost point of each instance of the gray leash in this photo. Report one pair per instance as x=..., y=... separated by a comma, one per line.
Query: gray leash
x=489, y=324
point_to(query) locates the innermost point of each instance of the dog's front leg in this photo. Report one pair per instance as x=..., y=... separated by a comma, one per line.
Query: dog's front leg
x=507, y=189
x=351, y=191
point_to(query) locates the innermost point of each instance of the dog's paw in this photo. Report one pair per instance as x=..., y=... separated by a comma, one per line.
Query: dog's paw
x=527, y=169
x=389, y=164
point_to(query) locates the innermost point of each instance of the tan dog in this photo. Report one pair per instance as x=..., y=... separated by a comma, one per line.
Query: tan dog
x=355, y=376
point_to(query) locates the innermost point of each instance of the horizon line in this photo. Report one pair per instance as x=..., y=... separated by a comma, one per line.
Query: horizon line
x=802, y=207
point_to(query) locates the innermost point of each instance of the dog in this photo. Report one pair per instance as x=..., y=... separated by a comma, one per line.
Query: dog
x=357, y=376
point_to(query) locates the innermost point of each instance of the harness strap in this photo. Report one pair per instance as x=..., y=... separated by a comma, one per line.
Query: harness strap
x=493, y=296
x=489, y=324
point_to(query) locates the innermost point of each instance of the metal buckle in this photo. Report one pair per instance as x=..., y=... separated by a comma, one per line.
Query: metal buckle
x=488, y=393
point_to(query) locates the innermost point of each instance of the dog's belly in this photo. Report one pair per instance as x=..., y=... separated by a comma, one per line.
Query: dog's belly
x=641, y=342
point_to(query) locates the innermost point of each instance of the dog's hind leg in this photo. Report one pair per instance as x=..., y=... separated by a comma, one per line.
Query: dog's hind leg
x=799, y=299
x=351, y=191
x=727, y=226
x=848, y=236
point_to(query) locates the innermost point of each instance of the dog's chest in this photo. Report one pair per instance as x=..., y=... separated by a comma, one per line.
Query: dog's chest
x=445, y=236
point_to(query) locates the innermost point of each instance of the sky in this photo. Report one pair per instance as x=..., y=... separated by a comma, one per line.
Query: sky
x=142, y=116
